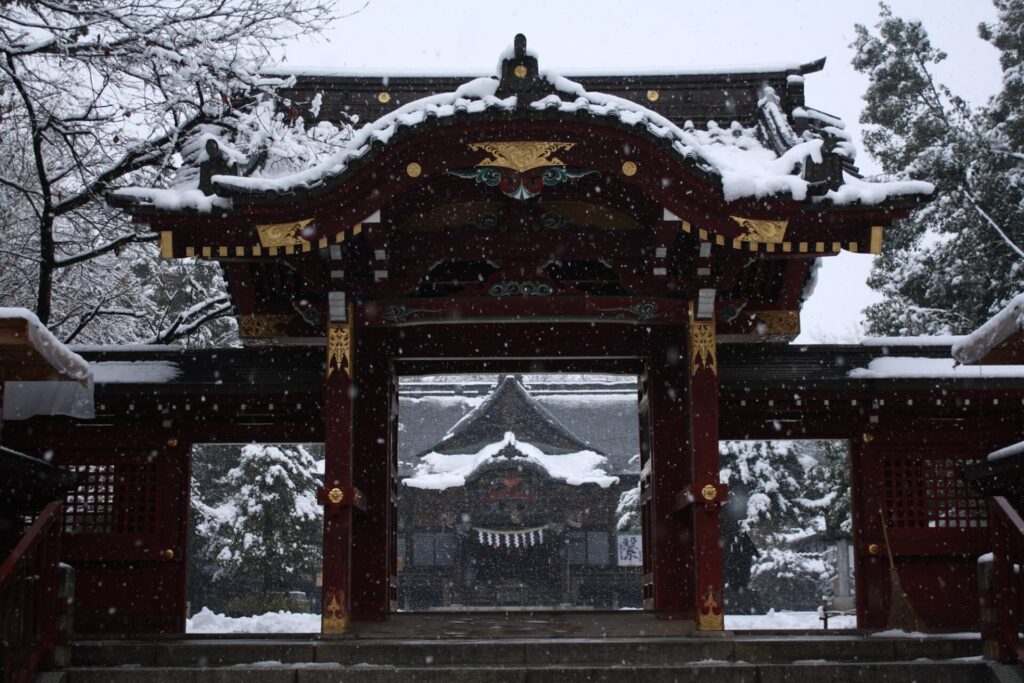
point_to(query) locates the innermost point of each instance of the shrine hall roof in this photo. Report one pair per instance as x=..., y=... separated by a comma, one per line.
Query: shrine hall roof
x=509, y=408
x=747, y=133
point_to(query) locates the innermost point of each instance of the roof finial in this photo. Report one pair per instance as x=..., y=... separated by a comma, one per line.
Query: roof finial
x=520, y=46
x=520, y=75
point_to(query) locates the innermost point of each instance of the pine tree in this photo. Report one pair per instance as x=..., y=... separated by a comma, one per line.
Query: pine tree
x=269, y=526
x=958, y=260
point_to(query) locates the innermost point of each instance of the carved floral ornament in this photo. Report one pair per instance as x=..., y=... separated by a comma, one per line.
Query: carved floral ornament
x=521, y=169
x=334, y=619
x=702, y=346
x=764, y=231
x=779, y=322
x=711, y=616
x=339, y=350
x=283, y=234
x=262, y=326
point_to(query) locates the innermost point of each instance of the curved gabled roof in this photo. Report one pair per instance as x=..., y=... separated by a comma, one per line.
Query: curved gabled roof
x=808, y=160
x=509, y=408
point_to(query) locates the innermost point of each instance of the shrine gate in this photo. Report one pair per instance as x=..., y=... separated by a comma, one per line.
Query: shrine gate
x=528, y=223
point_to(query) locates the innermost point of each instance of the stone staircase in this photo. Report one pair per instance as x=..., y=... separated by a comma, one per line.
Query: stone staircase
x=724, y=658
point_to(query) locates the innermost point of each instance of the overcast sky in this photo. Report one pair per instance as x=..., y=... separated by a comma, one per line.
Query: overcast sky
x=579, y=36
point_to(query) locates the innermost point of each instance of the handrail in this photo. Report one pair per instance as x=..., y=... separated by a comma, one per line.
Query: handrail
x=1008, y=585
x=29, y=598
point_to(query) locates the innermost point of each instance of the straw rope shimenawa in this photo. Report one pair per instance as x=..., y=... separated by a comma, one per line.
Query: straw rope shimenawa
x=901, y=613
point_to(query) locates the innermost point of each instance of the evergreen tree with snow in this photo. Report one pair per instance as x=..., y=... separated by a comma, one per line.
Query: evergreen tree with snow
x=959, y=259
x=267, y=532
x=783, y=495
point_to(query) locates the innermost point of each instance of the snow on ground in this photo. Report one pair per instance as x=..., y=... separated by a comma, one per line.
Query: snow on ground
x=784, y=620
x=206, y=621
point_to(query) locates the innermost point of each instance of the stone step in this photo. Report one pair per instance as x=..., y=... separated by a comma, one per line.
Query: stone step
x=809, y=672
x=222, y=652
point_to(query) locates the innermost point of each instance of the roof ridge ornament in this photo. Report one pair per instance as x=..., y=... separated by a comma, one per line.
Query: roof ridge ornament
x=520, y=76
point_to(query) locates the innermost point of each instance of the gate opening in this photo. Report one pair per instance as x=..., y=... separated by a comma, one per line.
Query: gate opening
x=255, y=538
x=787, y=534
x=518, y=492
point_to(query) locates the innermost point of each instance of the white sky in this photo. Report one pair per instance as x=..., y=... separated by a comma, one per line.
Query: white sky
x=577, y=36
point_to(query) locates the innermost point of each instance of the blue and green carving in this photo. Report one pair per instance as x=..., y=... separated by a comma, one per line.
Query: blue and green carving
x=521, y=185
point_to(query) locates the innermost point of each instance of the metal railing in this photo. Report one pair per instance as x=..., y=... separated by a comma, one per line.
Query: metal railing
x=30, y=598
x=1007, y=595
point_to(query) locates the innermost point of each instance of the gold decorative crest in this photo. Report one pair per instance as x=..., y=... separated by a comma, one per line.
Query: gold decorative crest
x=522, y=155
x=260, y=326
x=339, y=349
x=768, y=232
x=283, y=234
x=335, y=620
x=779, y=322
x=702, y=346
x=709, y=492
x=335, y=495
x=711, y=616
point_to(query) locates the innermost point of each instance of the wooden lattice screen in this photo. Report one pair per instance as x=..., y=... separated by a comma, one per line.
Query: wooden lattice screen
x=113, y=498
x=125, y=535
x=926, y=492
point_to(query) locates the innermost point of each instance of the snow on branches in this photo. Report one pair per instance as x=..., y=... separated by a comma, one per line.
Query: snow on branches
x=958, y=260
x=96, y=95
x=268, y=523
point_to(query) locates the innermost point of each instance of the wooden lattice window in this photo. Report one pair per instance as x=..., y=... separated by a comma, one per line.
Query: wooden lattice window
x=928, y=493
x=113, y=498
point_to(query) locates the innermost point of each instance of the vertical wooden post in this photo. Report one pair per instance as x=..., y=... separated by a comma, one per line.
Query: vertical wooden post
x=668, y=540
x=374, y=464
x=337, y=490
x=871, y=569
x=705, y=491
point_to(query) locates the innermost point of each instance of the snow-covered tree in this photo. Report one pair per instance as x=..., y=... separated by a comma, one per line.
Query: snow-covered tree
x=269, y=525
x=627, y=511
x=97, y=94
x=958, y=260
x=783, y=495
x=764, y=479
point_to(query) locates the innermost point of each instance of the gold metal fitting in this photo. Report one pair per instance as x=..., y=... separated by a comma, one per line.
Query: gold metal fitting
x=167, y=554
x=874, y=548
x=383, y=97
x=520, y=71
x=413, y=170
x=629, y=168
x=653, y=95
x=335, y=495
x=172, y=442
x=868, y=437
x=709, y=492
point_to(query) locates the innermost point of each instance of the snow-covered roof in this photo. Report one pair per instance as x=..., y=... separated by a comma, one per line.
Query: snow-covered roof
x=440, y=471
x=945, y=368
x=68, y=364
x=975, y=346
x=771, y=159
x=135, y=372
x=509, y=408
x=1007, y=452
